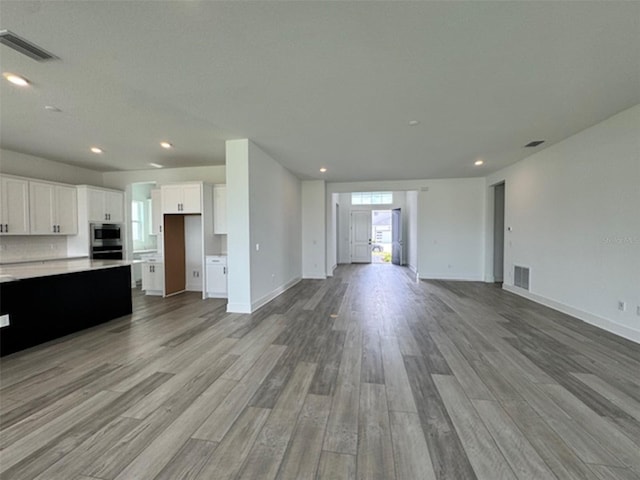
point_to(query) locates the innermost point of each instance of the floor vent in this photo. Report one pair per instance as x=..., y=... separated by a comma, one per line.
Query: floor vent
x=521, y=277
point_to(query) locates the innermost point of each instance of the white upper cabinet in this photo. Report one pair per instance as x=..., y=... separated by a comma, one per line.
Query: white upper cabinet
x=53, y=209
x=182, y=198
x=220, y=209
x=105, y=205
x=14, y=206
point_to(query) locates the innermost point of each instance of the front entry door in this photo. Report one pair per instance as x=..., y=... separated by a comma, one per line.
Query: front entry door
x=396, y=237
x=361, y=237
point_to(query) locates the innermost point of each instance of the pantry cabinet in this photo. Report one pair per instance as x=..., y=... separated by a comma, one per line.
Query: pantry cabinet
x=14, y=206
x=53, y=209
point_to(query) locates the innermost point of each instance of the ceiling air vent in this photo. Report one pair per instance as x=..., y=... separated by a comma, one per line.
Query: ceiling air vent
x=535, y=143
x=521, y=277
x=25, y=47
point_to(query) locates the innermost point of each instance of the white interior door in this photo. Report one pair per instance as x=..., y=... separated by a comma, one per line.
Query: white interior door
x=361, y=236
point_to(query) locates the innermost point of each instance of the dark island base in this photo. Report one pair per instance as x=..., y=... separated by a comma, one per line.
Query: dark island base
x=45, y=308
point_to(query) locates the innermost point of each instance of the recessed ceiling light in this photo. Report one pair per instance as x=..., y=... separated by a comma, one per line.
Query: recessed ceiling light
x=155, y=165
x=96, y=150
x=52, y=108
x=166, y=145
x=479, y=162
x=16, y=79
x=323, y=169
x=413, y=123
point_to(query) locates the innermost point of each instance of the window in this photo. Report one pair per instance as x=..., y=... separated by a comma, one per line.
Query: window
x=137, y=220
x=371, y=198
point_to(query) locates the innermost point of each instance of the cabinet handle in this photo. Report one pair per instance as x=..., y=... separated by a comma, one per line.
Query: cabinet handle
x=160, y=228
x=1, y=228
x=6, y=228
x=224, y=270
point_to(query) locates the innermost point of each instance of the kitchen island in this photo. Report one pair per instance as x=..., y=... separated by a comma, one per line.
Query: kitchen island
x=41, y=301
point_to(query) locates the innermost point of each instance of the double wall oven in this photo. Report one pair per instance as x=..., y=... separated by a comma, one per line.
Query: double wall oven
x=106, y=241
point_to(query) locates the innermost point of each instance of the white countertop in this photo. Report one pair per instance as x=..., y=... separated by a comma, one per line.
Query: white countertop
x=23, y=271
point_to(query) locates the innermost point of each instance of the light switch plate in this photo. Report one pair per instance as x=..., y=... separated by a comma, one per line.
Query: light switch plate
x=4, y=320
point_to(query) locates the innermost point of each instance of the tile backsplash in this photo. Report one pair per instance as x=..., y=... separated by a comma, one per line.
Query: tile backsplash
x=32, y=247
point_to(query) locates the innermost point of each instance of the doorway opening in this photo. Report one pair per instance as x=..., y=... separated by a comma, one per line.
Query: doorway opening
x=498, y=233
x=381, y=236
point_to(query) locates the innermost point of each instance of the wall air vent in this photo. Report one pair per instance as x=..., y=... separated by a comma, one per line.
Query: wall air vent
x=25, y=47
x=521, y=277
x=535, y=143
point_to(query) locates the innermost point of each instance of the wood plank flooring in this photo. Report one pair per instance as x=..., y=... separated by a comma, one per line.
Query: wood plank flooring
x=366, y=375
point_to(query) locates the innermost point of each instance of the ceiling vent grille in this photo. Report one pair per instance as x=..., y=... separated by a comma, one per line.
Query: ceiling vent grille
x=535, y=143
x=521, y=277
x=25, y=47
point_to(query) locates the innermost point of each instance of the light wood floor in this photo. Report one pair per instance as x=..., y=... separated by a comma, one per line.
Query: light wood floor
x=366, y=375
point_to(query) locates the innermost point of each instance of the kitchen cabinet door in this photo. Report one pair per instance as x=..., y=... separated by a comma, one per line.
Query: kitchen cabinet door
x=191, y=199
x=153, y=278
x=171, y=198
x=14, y=206
x=97, y=205
x=42, y=204
x=66, y=211
x=114, y=207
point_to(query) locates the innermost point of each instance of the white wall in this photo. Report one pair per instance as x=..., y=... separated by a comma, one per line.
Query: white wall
x=574, y=211
x=275, y=206
x=239, y=245
x=15, y=163
x=451, y=229
x=411, y=240
x=313, y=229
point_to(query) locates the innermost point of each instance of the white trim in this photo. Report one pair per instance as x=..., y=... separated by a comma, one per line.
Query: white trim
x=489, y=279
x=463, y=278
x=330, y=274
x=600, y=322
x=314, y=277
x=273, y=294
x=238, y=308
x=413, y=268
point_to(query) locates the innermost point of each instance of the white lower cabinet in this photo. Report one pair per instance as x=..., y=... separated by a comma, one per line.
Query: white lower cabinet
x=153, y=278
x=216, y=276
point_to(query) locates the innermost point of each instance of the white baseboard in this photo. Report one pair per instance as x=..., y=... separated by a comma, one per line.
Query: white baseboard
x=238, y=308
x=462, y=278
x=330, y=272
x=273, y=294
x=600, y=322
x=413, y=268
x=314, y=277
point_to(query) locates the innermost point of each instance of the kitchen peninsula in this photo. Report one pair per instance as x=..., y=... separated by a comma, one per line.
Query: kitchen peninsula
x=41, y=301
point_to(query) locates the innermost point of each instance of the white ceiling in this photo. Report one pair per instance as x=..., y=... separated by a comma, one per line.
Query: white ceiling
x=316, y=83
